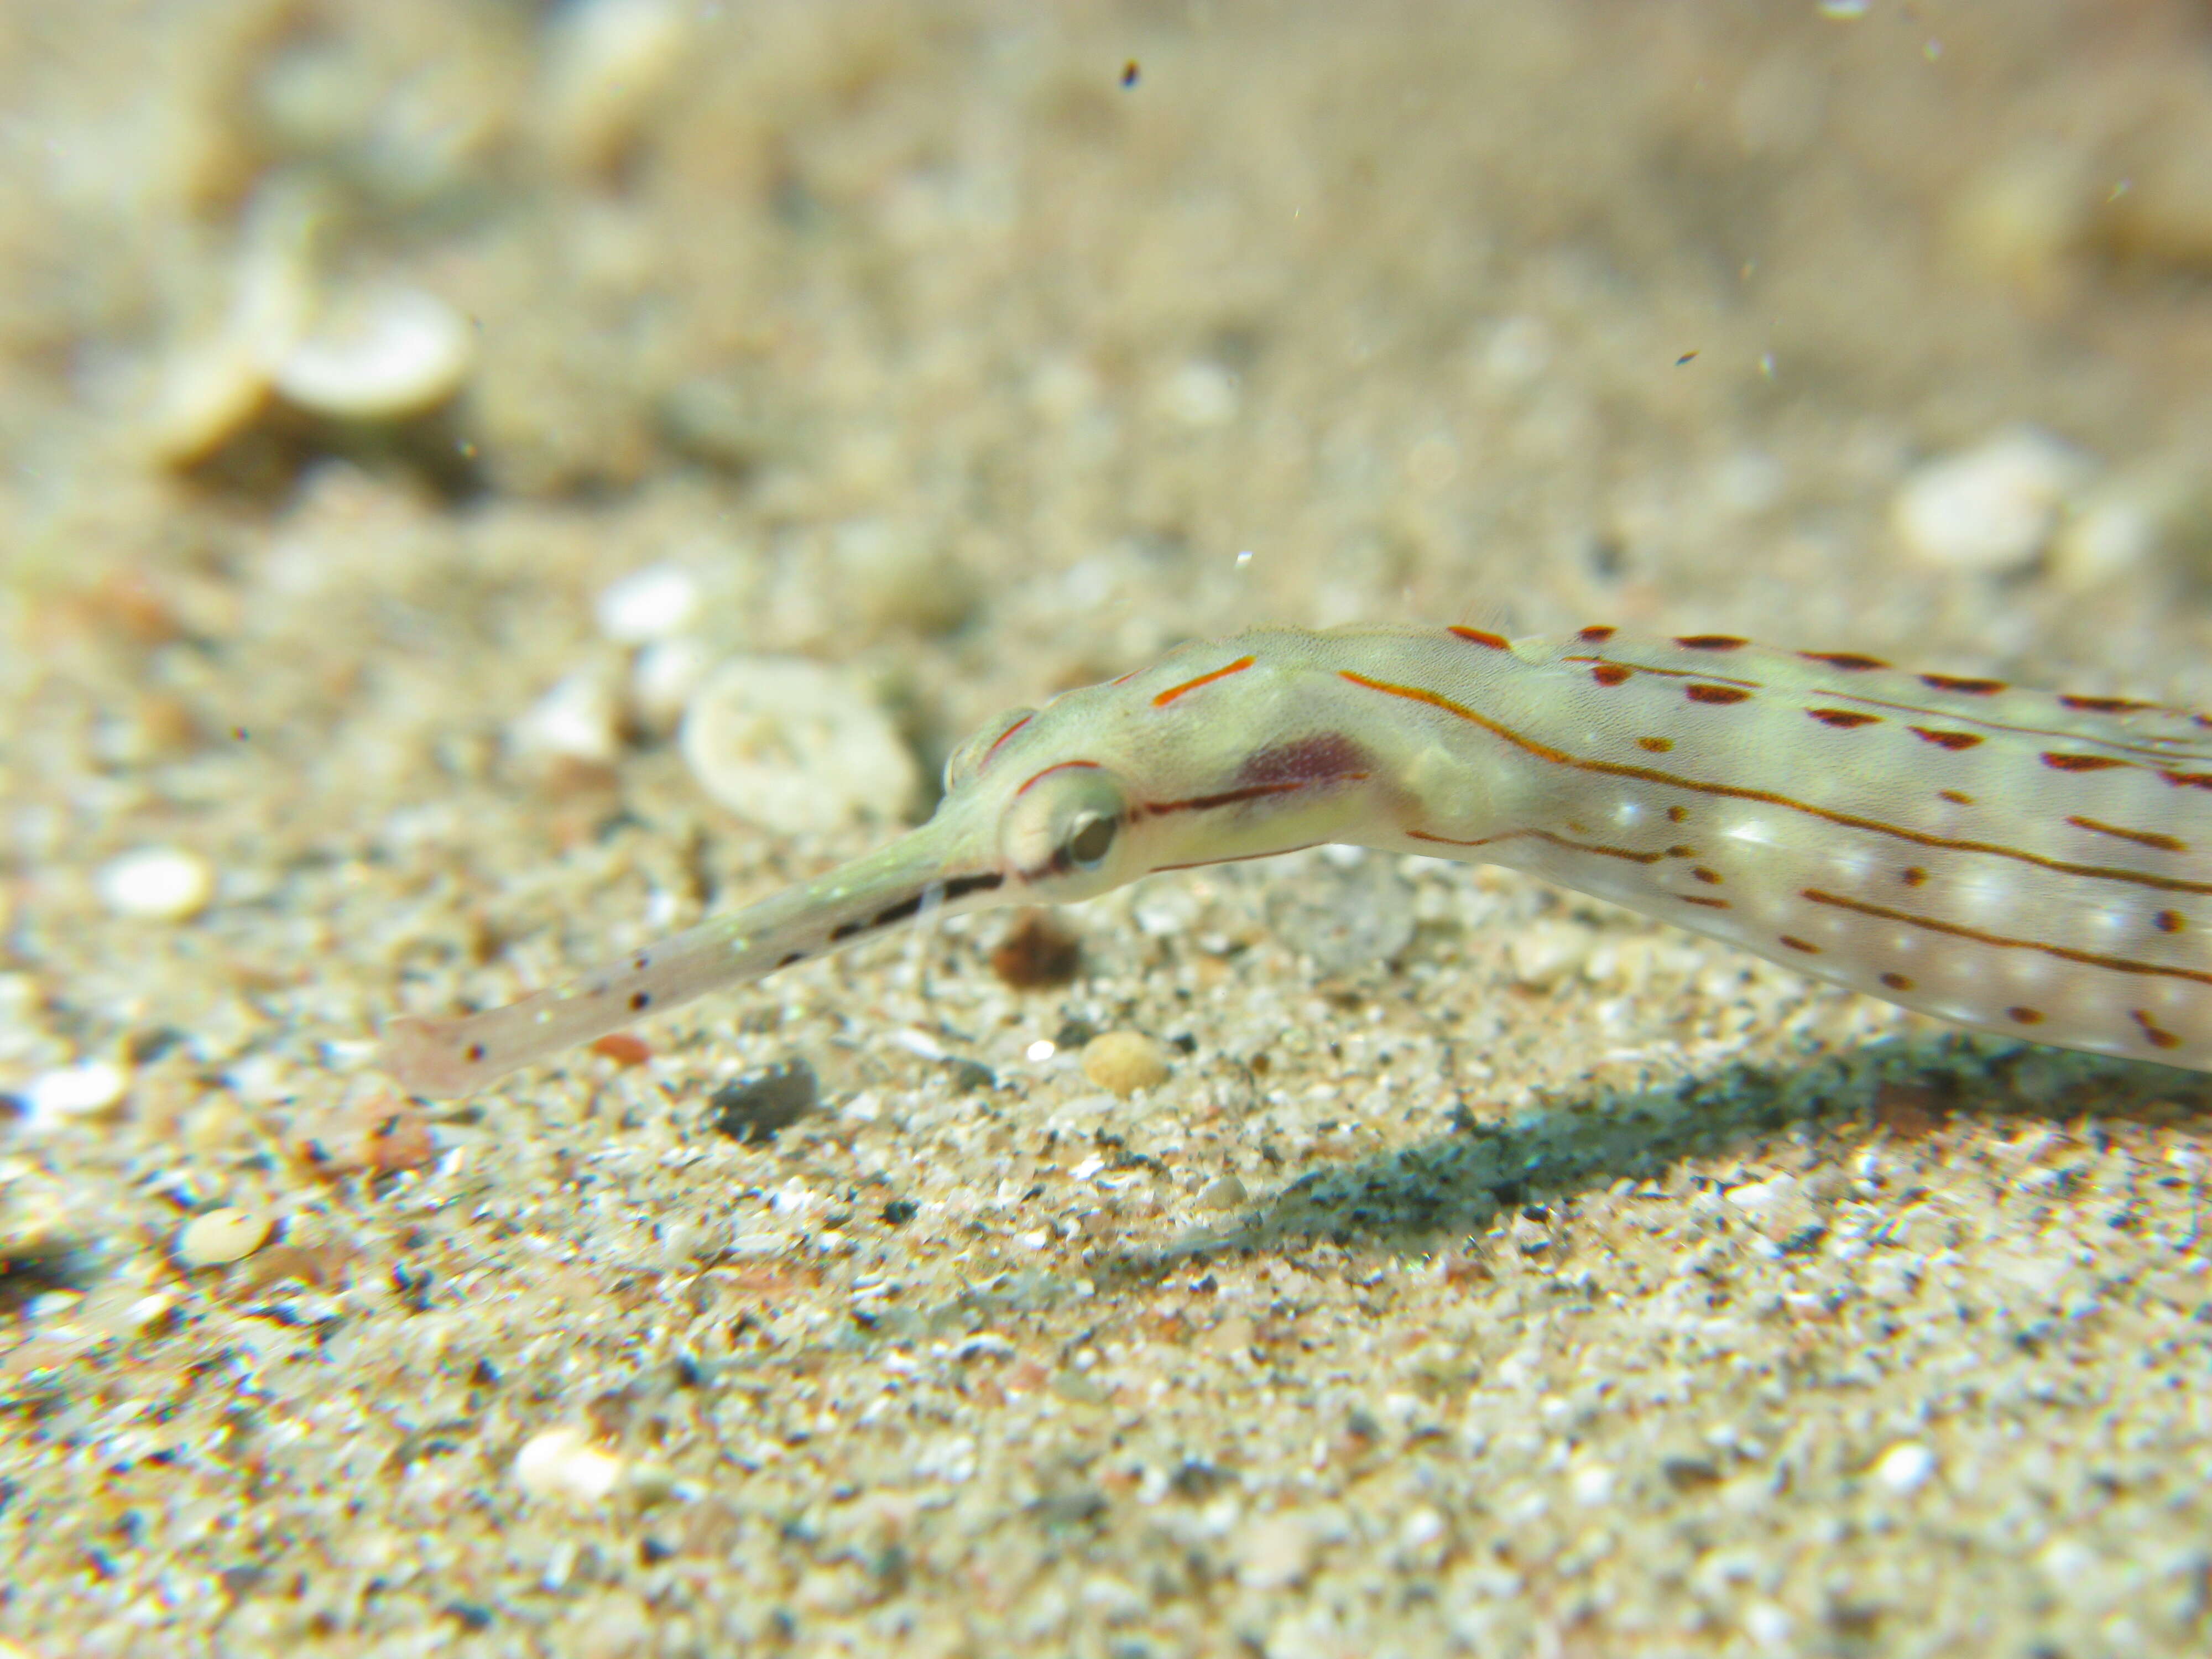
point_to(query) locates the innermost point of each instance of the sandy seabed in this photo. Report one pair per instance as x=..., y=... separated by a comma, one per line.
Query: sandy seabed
x=1558, y=1285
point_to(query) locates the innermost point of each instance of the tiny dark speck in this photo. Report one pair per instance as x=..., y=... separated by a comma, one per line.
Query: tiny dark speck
x=1129, y=73
x=900, y=1211
x=640, y=1001
x=753, y=1108
x=968, y=1075
x=1684, y=358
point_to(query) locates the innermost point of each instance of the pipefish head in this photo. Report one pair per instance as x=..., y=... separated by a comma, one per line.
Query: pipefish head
x=1219, y=752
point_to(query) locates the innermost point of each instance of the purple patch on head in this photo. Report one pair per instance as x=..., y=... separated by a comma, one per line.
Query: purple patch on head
x=1321, y=758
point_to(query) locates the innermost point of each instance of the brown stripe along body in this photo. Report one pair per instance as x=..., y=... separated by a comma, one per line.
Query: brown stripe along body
x=2031, y=863
x=2026, y=862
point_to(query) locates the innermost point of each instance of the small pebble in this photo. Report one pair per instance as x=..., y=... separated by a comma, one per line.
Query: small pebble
x=87, y=1090
x=575, y=721
x=382, y=356
x=1992, y=509
x=652, y=603
x=793, y=747
x=1905, y=1467
x=622, y=1047
x=1036, y=952
x=157, y=883
x=1224, y=1191
x=1545, y=953
x=1122, y=1062
x=564, y=1463
x=754, y=1109
x=220, y=1237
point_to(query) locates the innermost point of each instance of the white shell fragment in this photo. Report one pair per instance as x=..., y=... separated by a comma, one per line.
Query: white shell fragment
x=577, y=720
x=793, y=747
x=1992, y=509
x=381, y=357
x=85, y=1089
x=1905, y=1466
x=157, y=883
x=219, y=1237
x=652, y=604
x=563, y=1463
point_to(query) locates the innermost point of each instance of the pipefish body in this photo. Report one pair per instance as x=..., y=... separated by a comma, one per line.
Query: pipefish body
x=2029, y=863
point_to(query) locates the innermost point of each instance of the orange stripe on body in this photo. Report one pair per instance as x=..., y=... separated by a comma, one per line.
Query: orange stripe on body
x=1058, y=766
x=1175, y=691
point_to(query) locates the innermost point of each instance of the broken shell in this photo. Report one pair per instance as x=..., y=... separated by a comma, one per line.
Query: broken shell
x=381, y=357
x=792, y=747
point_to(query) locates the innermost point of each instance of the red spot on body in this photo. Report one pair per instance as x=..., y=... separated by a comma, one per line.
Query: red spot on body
x=2188, y=779
x=1702, y=901
x=1913, y=876
x=1956, y=797
x=1711, y=878
x=1223, y=672
x=1970, y=688
x=1796, y=944
x=1657, y=746
x=1945, y=739
x=1709, y=641
x=1676, y=814
x=2024, y=1016
x=1323, y=758
x=1484, y=636
x=1849, y=661
x=2167, y=922
x=1611, y=673
x=2156, y=1038
x=1597, y=636
x=2058, y=762
x=1897, y=981
x=1714, y=693
x=1845, y=718
x=1285, y=768
x=2106, y=705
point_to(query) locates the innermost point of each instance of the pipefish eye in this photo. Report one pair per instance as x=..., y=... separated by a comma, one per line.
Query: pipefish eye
x=1090, y=837
x=1064, y=828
